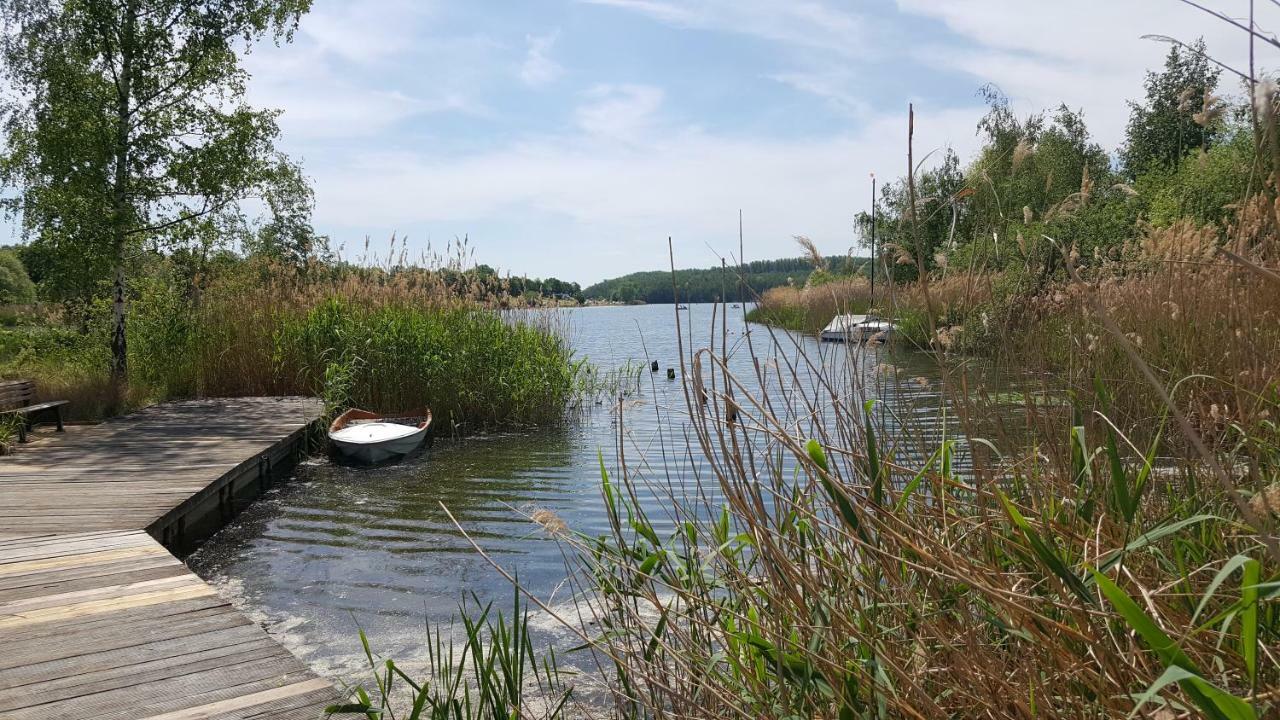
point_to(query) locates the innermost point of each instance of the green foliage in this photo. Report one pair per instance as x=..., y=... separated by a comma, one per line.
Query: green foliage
x=711, y=284
x=1204, y=186
x=1164, y=128
x=471, y=366
x=16, y=287
x=495, y=674
x=551, y=287
x=940, y=219
x=128, y=128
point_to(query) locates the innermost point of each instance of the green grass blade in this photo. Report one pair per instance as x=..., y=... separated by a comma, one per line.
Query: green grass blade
x=837, y=496
x=1046, y=553
x=911, y=487
x=1152, y=536
x=1249, y=619
x=1230, y=567
x=875, y=473
x=1212, y=701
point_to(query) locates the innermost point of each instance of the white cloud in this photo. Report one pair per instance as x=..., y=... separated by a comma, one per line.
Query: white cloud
x=619, y=112
x=612, y=203
x=538, y=68
x=835, y=86
x=320, y=101
x=358, y=70
x=366, y=31
x=1088, y=54
x=810, y=24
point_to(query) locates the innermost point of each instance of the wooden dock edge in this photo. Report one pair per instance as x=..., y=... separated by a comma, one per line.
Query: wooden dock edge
x=182, y=529
x=108, y=623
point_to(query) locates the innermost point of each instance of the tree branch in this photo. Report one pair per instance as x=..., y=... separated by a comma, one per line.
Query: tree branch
x=1232, y=21
x=186, y=217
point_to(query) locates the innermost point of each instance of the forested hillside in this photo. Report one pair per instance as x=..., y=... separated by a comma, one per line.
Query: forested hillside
x=707, y=285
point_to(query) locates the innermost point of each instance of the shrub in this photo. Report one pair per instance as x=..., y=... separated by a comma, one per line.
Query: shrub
x=16, y=287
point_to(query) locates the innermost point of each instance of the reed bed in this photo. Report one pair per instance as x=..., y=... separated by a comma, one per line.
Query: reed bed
x=856, y=568
x=1077, y=577
x=389, y=339
x=810, y=308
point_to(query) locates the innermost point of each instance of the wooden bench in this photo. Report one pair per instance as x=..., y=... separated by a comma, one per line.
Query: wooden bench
x=17, y=397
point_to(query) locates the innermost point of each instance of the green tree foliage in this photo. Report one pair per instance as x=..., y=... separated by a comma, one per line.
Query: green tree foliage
x=711, y=284
x=129, y=128
x=16, y=287
x=549, y=288
x=1204, y=186
x=940, y=219
x=1165, y=128
x=1034, y=177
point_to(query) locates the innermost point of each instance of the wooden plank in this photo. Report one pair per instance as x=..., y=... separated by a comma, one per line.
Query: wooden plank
x=97, y=619
x=259, y=699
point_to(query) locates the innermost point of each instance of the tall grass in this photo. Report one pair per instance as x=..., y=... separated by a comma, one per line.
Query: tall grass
x=1206, y=325
x=67, y=363
x=387, y=340
x=492, y=671
x=809, y=309
x=839, y=578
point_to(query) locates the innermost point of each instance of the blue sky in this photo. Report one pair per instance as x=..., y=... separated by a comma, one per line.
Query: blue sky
x=569, y=138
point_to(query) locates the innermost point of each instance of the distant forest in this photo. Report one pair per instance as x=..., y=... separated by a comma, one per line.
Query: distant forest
x=707, y=285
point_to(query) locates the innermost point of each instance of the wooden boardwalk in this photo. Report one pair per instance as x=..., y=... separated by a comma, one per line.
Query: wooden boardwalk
x=97, y=618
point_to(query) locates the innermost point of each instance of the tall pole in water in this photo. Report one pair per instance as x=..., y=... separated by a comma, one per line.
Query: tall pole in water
x=873, y=241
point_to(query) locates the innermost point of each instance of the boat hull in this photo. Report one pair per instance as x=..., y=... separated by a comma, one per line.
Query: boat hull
x=371, y=453
x=856, y=329
x=360, y=436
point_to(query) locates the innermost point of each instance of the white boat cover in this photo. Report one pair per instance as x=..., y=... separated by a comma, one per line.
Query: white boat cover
x=373, y=433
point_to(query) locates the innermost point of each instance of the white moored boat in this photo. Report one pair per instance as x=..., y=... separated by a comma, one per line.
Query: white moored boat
x=856, y=328
x=369, y=438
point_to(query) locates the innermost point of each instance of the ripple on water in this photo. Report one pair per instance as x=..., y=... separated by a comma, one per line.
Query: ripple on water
x=338, y=547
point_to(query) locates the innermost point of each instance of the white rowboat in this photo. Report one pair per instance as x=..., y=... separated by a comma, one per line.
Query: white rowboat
x=368, y=438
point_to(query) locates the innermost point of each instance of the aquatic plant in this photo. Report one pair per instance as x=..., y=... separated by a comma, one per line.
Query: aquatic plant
x=849, y=574
x=492, y=671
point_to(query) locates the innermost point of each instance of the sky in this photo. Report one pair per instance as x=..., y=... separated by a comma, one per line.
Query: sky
x=571, y=138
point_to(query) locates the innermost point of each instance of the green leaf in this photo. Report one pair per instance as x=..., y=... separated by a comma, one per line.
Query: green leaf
x=651, y=562
x=1046, y=554
x=1082, y=472
x=817, y=455
x=1171, y=674
x=657, y=634
x=911, y=486
x=875, y=473
x=1151, y=536
x=1214, y=702
x=836, y=495
x=1249, y=618
x=1121, y=493
x=1230, y=567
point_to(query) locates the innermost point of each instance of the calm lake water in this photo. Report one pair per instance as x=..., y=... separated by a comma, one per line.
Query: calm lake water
x=337, y=548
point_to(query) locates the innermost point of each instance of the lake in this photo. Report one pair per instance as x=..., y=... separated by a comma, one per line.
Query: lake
x=337, y=548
